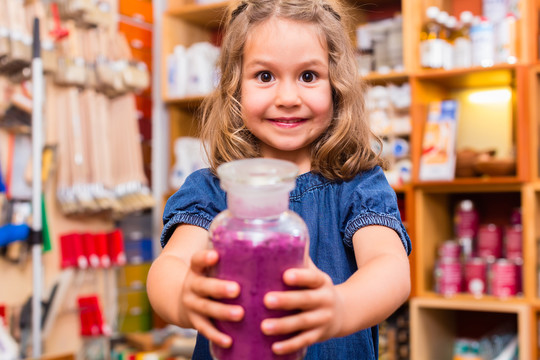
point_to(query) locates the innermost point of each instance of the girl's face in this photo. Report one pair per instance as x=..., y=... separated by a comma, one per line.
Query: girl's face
x=286, y=93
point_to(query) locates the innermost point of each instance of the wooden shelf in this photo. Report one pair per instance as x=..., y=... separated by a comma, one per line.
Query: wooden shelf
x=464, y=301
x=383, y=79
x=497, y=75
x=188, y=103
x=483, y=184
x=208, y=15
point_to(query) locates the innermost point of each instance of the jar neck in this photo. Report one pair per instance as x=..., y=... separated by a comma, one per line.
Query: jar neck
x=250, y=205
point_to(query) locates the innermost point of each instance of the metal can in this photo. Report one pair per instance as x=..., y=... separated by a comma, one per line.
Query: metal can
x=448, y=276
x=476, y=276
x=504, y=276
x=450, y=249
x=514, y=242
x=490, y=241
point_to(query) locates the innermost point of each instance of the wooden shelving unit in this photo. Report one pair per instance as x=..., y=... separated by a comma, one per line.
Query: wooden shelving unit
x=435, y=320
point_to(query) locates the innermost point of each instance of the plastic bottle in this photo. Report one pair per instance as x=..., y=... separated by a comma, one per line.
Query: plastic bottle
x=430, y=43
x=449, y=35
x=462, y=41
x=507, y=40
x=364, y=44
x=257, y=239
x=483, y=43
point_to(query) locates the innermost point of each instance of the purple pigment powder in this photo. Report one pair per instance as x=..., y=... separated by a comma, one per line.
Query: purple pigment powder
x=256, y=260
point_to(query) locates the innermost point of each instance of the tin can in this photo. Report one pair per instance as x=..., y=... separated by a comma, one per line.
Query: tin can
x=503, y=278
x=475, y=274
x=448, y=276
x=514, y=242
x=466, y=220
x=449, y=249
x=490, y=241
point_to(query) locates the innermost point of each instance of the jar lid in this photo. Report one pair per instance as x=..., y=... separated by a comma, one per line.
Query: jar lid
x=257, y=172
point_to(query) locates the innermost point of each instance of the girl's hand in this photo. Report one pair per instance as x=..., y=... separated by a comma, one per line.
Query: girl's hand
x=199, y=297
x=320, y=308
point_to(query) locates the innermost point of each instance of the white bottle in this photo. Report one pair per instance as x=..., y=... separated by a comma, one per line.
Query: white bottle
x=483, y=43
x=430, y=43
x=507, y=40
x=462, y=42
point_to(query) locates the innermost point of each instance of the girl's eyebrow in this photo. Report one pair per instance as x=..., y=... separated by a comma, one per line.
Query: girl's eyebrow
x=307, y=63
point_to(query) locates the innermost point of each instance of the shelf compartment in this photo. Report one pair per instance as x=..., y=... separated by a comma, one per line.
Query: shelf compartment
x=438, y=323
x=434, y=222
x=505, y=118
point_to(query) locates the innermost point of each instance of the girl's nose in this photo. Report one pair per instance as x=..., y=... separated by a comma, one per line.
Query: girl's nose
x=288, y=94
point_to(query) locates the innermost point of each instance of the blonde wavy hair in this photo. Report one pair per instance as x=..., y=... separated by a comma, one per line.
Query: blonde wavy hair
x=345, y=148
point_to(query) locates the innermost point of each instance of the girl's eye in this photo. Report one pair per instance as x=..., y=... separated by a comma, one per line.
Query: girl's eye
x=265, y=76
x=308, y=76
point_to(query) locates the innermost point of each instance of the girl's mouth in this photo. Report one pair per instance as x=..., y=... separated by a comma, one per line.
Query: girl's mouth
x=288, y=122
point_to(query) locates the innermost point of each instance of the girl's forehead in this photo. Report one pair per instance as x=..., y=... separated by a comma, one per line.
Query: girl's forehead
x=283, y=27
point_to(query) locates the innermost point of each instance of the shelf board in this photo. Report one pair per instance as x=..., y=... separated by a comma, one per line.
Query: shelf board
x=395, y=77
x=481, y=184
x=497, y=75
x=468, y=302
x=207, y=15
x=187, y=103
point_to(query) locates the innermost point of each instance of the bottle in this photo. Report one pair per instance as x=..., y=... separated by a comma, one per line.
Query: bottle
x=257, y=239
x=448, y=34
x=483, y=43
x=430, y=43
x=507, y=40
x=364, y=44
x=466, y=224
x=462, y=41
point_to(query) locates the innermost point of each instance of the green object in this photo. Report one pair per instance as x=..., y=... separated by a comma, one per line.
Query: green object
x=45, y=226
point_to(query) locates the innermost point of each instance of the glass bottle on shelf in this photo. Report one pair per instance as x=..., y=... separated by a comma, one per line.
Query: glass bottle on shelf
x=462, y=41
x=430, y=43
x=257, y=239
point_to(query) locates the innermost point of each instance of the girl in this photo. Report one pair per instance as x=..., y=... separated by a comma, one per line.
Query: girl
x=289, y=90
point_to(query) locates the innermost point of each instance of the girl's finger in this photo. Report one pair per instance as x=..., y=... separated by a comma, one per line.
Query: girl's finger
x=306, y=278
x=298, y=299
x=295, y=343
x=296, y=323
x=214, y=309
x=201, y=260
x=206, y=328
x=215, y=288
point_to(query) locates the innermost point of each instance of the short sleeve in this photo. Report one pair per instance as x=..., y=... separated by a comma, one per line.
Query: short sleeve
x=371, y=201
x=197, y=202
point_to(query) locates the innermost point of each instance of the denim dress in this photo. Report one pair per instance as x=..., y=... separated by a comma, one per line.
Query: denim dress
x=333, y=212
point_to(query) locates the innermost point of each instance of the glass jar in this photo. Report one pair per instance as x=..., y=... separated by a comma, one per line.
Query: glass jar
x=257, y=238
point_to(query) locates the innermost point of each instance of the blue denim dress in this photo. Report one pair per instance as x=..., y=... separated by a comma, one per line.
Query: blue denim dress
x=333, y=212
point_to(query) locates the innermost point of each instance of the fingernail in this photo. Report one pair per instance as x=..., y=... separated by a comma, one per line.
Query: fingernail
x=277, y=347
x=231, y=289
x=226, y=342
x=235, y=312
x=271, y=300
x=267, y=325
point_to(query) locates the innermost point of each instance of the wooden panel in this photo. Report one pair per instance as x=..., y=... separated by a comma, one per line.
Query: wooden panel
x=138, y=37
x=138, y=9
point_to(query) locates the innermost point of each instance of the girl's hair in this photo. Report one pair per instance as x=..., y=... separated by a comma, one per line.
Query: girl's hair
x=342, y=151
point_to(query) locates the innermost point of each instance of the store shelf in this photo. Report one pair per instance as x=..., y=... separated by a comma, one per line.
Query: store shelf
x=207, y=15
x=188, y=103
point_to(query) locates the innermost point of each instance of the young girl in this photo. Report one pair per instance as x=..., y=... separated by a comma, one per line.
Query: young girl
x=289, y=90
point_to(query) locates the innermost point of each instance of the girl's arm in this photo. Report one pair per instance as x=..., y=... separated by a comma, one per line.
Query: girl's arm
x=181, y=293
x=379, y=286
x=167, y=273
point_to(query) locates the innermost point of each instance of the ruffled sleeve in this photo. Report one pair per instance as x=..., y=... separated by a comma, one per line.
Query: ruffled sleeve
x=370, y=200
x=197, y=202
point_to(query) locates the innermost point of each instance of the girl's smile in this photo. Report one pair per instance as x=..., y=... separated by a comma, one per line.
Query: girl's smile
x=286, y=94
